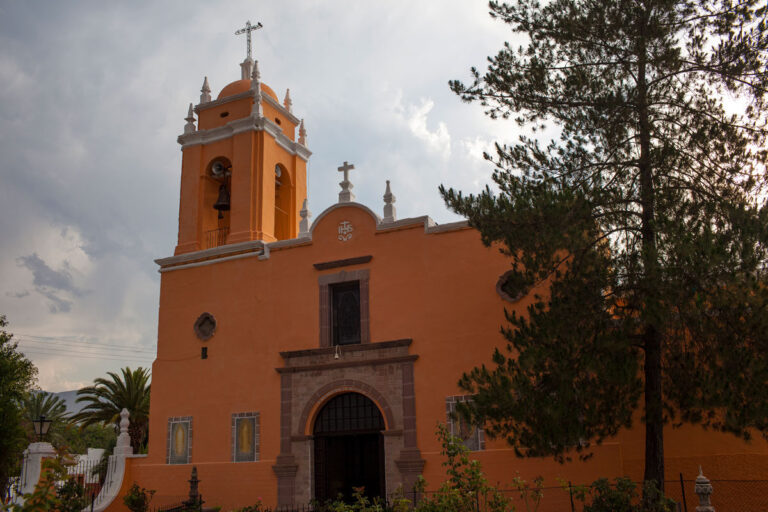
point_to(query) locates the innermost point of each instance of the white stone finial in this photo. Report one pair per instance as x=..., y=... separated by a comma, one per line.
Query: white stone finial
x=302, y=134
x=305, y=214
x=255, y=74
x=256, y=109
x=346, y=195
x=703, y=489
x=287, y=102
x=190, y=119
x=389, y=206
x=246, y=68
x=123, y=446
x=206, y=90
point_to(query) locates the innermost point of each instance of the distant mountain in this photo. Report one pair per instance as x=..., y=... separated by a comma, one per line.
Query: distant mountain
x=69, y=398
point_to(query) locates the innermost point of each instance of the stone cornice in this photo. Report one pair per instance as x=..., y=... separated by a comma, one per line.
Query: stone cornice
x=222, y=251
x=262, y=249
x=348, y=364
x=363, y=347
x=241, y=125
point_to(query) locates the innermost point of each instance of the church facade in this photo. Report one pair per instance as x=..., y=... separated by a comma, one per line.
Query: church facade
x=298, y=359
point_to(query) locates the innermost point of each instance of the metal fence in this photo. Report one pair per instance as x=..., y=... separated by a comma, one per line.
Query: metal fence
x=728, y=496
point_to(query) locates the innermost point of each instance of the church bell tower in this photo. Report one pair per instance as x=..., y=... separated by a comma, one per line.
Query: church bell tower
x=244, y=166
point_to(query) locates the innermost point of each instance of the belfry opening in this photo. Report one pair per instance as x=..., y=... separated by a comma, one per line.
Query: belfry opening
x=348, y=448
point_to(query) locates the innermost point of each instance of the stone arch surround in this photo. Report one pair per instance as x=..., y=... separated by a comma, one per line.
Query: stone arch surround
x=310, y=377
x=322, y=395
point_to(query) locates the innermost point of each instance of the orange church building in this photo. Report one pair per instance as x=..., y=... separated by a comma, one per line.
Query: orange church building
x=297, y=359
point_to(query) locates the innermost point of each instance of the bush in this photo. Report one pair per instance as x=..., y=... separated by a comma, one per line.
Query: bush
x=621, y=496
x=137, y=499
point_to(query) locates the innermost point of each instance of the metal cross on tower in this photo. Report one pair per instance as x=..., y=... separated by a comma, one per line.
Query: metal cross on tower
x=247, y=31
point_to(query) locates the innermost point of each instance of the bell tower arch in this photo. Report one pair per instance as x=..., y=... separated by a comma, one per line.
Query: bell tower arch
x=244, y=166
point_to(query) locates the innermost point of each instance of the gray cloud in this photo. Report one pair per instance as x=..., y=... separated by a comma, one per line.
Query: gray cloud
x=54, y=285
x=90, y=168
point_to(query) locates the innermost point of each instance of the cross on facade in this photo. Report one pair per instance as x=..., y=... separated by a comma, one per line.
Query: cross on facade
x=345, y=169
x=247, y=31
x=346, y=195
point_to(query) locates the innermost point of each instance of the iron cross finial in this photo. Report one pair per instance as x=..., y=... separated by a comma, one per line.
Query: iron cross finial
x=247, y=29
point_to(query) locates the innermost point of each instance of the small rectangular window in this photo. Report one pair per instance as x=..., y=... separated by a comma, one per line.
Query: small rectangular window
x=345, y=313
x=471, y=435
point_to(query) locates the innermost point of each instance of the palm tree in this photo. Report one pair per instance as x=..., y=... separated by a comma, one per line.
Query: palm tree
x=53, y=408
x=106, y=398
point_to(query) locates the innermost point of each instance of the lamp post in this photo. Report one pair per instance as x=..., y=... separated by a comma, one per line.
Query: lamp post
x=41, y=427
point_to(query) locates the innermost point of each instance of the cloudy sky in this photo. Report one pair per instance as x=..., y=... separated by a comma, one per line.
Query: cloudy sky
x=93, y=95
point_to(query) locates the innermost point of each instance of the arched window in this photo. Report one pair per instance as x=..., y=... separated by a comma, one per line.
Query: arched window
x=283, y=203
x=348, y=413
x=217, y=190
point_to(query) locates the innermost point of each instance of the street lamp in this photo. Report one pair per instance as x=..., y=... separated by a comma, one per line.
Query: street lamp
x=41, y=427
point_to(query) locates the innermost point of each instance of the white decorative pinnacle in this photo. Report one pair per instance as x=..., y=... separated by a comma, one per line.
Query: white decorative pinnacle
x=190, y=119
x=246, y=67
x=206, y=90
x=389, y=207
x=703, y=489
x=302, y=134
x=287, y=103
x=346, y=195
x=123, y=446
x=256, y=110
x=305, y=214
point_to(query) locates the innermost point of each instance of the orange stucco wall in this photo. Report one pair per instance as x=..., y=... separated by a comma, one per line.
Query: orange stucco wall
x=253, y=155
x=435, y=288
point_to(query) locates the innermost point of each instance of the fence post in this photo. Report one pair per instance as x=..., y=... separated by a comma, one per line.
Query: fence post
x=682, y=490
x=703, y=489
x=570, y=493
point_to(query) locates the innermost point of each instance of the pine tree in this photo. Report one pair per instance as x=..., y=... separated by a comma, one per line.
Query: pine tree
x=640, y=225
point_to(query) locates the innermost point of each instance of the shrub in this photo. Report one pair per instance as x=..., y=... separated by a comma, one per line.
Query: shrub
x=137, y=499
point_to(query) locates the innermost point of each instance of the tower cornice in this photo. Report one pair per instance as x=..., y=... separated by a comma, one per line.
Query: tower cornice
x=242, y=125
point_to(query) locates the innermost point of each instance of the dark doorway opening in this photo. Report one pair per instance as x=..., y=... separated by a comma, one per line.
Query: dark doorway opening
x=349, y=448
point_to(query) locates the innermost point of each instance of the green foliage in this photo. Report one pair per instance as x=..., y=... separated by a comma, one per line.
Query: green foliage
x=55, y=491
x=634, y=208
x=360, y=503
x=107, y=397
x=71, y=496
x=41, y=403
x=17, y=376
x=621, y=496
x=467, y=487
x=256, y=507
x=137, y=498
x=44, y=496
x=78, y=439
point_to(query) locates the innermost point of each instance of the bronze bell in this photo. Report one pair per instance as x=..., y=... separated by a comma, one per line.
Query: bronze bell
x=222, y=203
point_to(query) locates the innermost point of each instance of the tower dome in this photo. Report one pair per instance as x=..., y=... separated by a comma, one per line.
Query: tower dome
x=239, y=86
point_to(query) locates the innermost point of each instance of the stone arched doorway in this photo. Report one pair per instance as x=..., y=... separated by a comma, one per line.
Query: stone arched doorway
x=348, y=448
